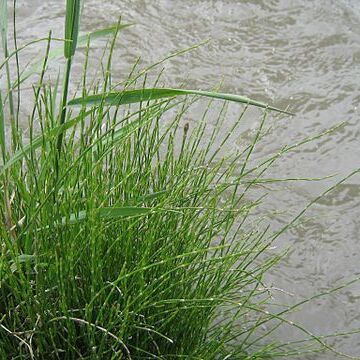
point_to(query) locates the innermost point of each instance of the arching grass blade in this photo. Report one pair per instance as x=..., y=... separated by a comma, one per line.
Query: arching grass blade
x=118, y=212
x=140, y=95
x=108, y=213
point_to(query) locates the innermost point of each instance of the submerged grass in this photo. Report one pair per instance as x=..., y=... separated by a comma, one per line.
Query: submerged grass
x=126, y=233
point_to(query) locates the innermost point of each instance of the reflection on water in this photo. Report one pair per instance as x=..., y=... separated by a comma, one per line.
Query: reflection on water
x=305, y=54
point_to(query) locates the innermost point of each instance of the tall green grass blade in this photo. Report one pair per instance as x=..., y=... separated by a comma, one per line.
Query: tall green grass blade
x=153, y=196
x=71, y=27
x=119, y=212
x=71, y=34
x=140, y=95
x=101, y=33
x=108, y=213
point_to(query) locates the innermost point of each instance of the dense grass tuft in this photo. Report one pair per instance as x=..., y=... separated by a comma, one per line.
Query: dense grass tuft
x=126, y=230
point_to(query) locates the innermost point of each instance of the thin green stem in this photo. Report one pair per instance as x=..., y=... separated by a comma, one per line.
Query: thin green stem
x=63, y=111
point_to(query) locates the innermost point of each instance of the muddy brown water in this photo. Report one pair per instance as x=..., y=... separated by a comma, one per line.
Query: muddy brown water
x=305, y=54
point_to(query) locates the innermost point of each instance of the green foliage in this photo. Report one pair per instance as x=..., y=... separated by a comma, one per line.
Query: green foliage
x=128, y=233
x=135, y=96
x=72, y=20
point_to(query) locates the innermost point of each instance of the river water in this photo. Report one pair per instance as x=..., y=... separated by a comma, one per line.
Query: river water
x=305, y=54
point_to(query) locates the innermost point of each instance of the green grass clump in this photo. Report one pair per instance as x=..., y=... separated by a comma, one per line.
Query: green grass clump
x=125, y=231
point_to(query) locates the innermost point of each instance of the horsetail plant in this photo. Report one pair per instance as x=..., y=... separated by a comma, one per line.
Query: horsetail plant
x=129, y=228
